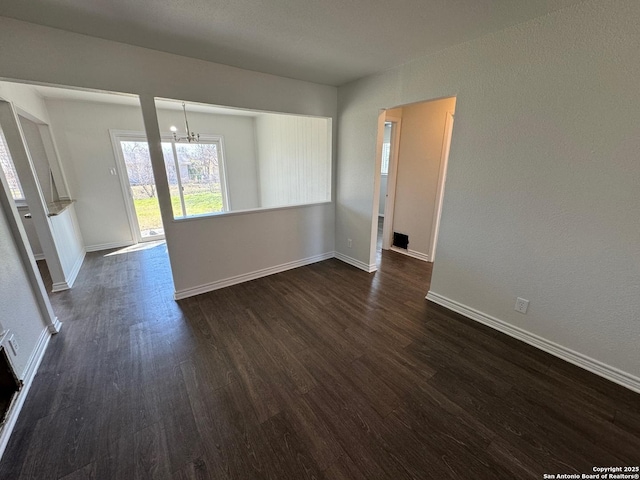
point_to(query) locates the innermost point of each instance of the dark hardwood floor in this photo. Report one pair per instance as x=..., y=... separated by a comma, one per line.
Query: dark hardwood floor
x=319, y=372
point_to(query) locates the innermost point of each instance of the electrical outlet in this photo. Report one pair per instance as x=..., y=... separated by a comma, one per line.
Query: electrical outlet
x=13, y=343
x=349, y=243
x=521, y=305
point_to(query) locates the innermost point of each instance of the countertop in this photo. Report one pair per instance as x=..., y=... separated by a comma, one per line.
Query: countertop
x=53, y=208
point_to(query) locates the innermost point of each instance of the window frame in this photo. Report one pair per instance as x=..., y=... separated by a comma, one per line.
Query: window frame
x=167, y=137
x=206, y=139
x=22, y=200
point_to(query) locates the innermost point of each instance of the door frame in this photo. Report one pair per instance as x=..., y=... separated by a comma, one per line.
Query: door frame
x=389, y=203
x=123, y=174
x=442, y=178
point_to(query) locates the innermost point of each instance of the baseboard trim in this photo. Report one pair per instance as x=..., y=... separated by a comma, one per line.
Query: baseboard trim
x=55, y=326
x=108, y=246
x=356, y=263
x=594, y=366
x=245, y=277
x=76, y=269
x=30, y=372
x=59, y=287
x=411, y=253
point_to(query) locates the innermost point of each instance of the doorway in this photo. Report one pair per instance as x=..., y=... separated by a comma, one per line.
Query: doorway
x=138, y=186
x=414, y=147
x=388, y=171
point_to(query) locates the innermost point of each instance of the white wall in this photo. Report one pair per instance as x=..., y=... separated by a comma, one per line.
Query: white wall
x=30, y=229
x=542, y=197
x=18, y=304
x=65, y=247
x=294, y=159
x=419, y=159
x=81, y=130
x=69, y=241
x=39, y=158
x=25, y=98
x=200, y=249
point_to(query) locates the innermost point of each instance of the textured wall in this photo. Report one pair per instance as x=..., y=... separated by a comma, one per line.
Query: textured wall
x=20, y=312
x=542, y=194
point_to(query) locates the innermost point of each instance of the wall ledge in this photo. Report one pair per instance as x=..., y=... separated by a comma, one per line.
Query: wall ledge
x=594, y=366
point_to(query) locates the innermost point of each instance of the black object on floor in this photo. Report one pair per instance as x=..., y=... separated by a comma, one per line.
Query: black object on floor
x=400, y=240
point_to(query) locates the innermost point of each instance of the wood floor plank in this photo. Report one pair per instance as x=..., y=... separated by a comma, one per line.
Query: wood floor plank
x=88, y=472
x=344, y=469
x=356, y=437
x=196, y=470
x=151, y=454
x=324, y=371
x=291, y=459
x=513, y=460
x=117, y=460
x=310, y=428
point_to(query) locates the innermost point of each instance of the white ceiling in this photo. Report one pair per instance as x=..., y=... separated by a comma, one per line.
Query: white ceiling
x=324, y=41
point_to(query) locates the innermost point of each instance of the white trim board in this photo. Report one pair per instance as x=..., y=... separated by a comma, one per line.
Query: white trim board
x=411, y=253
x=60, y=287
x=55, y=326
x=76, y=269
x=27, y=380
x=356, y=263
x=245, y=277
x=108, y=246
x=594, y=366
x=71, y=278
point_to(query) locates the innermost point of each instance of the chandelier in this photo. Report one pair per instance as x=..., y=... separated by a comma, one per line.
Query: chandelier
x=191, y=136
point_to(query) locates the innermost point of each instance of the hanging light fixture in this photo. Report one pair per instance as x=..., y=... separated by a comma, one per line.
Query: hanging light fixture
x=191, y=136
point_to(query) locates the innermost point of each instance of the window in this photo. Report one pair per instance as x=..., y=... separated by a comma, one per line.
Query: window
x=195, y=173
x=10, y=171
x=386, y=148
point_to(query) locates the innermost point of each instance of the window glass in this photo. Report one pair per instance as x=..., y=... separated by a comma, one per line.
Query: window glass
x=386, y=148
x=137, y=163
x=10, y=171
x=194, y=175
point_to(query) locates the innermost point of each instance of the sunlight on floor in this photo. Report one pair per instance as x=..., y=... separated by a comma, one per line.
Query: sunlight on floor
x=137, y=247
